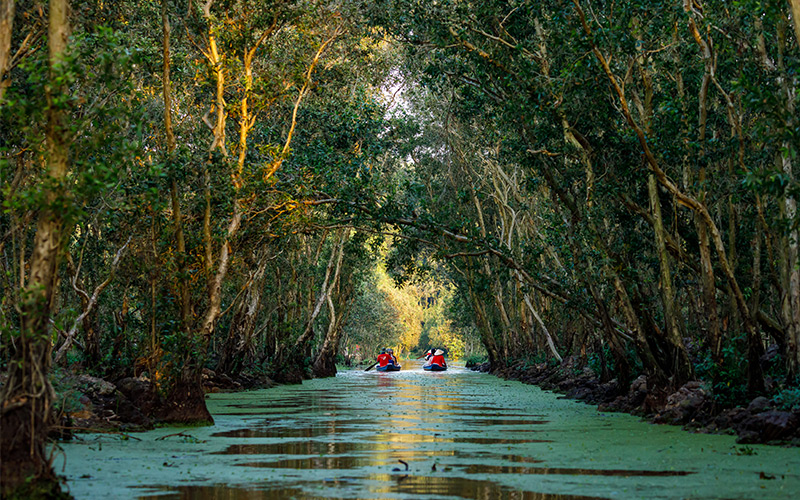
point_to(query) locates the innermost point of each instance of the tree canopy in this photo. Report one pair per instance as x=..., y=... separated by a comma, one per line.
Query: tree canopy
x=255, y=187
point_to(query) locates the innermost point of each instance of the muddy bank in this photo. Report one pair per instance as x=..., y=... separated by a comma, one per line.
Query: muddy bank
x=691, y=406
x=86, y=403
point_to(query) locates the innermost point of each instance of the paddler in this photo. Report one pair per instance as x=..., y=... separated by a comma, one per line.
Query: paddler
x=383, y=358
x=438, y=360
x=392, y=358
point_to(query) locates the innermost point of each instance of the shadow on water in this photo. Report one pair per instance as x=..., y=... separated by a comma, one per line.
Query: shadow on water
x=228, y=492
x=504, y=469
x=284, y=432
x=503, y=421
x=415, y=486
x=326, y=462
x=486, y=455
x=301, y=448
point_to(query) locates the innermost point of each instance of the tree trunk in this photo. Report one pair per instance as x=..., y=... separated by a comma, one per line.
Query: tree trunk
x=681, y=367
x=755, y=375
x=6, y=29
x=796, y=20
x=239, y=344
x=185, y=402
x=792, y=242
x=324, y=364
x=650, y=363
x=484, y=325
x=27, y=395
x=177, y=217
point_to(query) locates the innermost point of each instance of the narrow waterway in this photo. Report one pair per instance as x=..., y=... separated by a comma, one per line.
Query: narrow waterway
x=461, y=434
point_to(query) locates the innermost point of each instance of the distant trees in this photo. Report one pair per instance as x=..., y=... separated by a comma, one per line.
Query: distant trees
x=407, y=316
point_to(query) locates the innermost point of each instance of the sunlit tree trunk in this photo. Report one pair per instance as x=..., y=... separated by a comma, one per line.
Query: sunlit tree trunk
x=7, y=8
x=795, y=4
x=177, y=217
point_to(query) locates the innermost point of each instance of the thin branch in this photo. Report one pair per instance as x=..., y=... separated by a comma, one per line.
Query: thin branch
x=303, y=91
x=92, y=302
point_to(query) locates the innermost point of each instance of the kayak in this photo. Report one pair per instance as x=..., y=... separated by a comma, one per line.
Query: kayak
x=434, y=368
x=389, y=368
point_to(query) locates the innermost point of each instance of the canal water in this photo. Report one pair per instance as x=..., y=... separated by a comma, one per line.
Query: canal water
x=413, y=434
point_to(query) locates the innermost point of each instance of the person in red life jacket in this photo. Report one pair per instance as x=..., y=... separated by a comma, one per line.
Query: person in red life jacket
x=438, y=360
x=383, y=358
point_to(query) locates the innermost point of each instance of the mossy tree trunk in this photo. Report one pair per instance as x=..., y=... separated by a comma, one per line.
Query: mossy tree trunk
x=26, y=414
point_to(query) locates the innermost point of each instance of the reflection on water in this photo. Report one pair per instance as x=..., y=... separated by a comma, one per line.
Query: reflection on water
x=412, y=426
x=411, y=422
x=435, y=486
x=408, y=486
x=228, y=492
x=409, y=435
x=437, y=438
x=304, y=448
x=282, y=432
x=326, y=462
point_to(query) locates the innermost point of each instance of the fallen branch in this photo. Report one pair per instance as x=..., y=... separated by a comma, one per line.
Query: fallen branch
x=93, y=430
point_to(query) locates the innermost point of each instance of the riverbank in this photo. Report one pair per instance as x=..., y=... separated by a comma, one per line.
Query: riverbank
x=692, y=406
x=90, y=404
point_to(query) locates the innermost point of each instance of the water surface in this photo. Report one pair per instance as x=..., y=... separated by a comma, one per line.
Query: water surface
x=414, y=434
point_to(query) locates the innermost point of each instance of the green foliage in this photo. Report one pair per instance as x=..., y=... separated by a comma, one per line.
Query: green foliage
x=746, y=451
x=475, y=360
x=67, y=395
x=595, y=361
x=787, y=399
x=38, y=490
x=728, y=380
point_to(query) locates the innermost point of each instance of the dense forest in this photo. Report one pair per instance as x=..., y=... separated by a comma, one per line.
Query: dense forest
x=255, y=187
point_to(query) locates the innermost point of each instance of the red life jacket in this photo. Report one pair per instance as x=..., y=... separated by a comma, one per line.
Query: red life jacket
x=438, y=360
x=383, y=359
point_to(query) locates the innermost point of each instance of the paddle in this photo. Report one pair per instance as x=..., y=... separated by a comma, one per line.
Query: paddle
x=371, y=367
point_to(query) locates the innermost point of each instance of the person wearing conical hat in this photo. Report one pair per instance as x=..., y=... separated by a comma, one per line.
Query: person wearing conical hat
x=437, y=362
